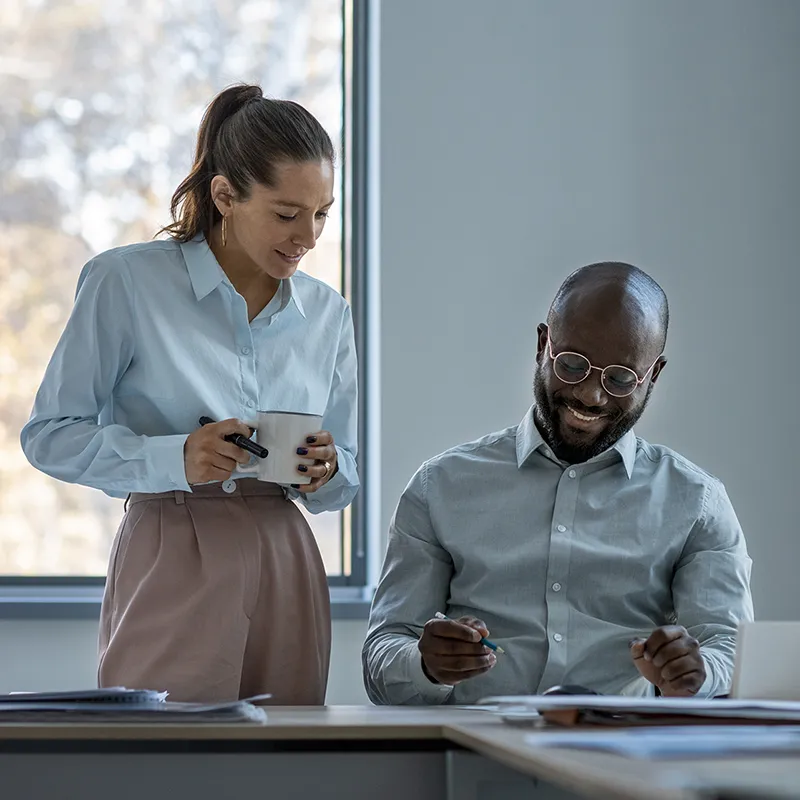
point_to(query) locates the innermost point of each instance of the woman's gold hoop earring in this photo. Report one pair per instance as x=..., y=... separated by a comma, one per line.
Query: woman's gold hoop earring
x=224, y=231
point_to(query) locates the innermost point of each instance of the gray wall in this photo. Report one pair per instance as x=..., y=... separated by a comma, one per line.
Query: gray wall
x=524, y=138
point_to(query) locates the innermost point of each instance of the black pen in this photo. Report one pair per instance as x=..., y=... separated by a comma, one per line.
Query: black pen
x=240, y=441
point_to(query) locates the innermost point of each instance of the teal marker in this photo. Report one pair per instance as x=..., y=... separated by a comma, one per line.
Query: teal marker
x=484, y=642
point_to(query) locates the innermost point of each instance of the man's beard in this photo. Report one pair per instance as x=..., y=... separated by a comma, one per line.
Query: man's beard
x=547, y=421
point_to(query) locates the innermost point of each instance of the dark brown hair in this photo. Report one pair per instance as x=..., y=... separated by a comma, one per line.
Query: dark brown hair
x=243, y=136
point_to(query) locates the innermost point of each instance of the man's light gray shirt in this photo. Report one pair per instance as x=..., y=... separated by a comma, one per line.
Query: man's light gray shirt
x=565, y=564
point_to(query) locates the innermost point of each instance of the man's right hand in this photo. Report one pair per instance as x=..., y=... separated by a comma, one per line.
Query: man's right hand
x=208, y=457
x=452, y=651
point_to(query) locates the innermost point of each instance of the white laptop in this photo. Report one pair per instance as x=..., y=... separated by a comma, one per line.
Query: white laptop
x=767, y=664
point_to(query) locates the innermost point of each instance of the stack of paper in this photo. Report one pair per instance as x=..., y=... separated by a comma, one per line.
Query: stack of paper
x=616, y=710
x=117, y=694
x=121, y=705
x=677, y=741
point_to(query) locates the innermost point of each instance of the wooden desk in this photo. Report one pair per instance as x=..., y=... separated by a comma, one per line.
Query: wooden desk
x=353, y=753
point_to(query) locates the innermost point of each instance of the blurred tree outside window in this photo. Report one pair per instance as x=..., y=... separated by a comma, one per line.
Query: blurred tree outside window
x=100, y=101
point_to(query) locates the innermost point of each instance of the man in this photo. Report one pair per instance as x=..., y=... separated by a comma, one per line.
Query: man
x=593, y=557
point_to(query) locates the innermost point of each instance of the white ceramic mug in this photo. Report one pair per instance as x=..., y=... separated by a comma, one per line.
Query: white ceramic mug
x=281, y=432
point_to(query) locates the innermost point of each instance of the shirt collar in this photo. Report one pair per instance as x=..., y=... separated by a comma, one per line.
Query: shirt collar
x=529, y=440
x=292, y=295
x=626, y=447
x=206, y=274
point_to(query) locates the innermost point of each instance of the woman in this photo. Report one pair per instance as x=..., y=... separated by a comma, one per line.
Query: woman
x=215, y=591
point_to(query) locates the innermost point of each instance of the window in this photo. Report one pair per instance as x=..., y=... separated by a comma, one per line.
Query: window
x=101, y=100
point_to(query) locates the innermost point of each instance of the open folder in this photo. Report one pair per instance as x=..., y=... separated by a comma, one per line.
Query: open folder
x=120, y=705
x=621, y=711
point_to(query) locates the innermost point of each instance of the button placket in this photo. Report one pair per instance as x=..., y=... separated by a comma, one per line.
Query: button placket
x=244, y=345
x=557, y=572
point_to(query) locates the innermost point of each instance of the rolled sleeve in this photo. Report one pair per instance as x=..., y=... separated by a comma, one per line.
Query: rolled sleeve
x=431, y=692
x=341, y=419
x=165, y=459
x=64, y=437
x=711, y=588
x=414, y=585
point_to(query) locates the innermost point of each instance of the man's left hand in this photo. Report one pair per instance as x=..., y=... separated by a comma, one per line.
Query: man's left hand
x=670, y=659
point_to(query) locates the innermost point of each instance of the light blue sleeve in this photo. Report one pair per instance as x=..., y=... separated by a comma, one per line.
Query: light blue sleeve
x=64, y=437
x=341, y=419
x=711, y=588
x=414, y=585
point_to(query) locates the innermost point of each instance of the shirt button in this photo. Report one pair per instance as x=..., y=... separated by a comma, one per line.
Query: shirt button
x=245, y=351
x=561, y=529
x=556, y=587
x=572, y=473
x=558, y=637
x=250, y=404
x=229, y=486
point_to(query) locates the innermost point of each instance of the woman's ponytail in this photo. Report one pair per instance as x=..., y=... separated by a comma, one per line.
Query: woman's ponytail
x=243, y=136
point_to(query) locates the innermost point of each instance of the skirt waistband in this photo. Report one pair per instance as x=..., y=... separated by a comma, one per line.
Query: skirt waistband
x=246, y=487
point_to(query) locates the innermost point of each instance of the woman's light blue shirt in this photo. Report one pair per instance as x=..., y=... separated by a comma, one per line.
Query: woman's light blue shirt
x=159, y=337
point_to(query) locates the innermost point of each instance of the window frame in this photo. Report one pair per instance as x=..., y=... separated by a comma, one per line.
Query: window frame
x=79, y=596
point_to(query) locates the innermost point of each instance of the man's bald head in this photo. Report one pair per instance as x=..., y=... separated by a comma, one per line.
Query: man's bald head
x=617, y=290
x=598, y=358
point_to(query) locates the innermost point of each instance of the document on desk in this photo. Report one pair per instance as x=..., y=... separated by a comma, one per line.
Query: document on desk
x=116, y=694
x=123, y=706
x=615, y=709
x=676, y=741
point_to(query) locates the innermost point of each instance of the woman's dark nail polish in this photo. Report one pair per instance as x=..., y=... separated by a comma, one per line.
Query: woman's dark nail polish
x=301, y=451
x=295, y=485
x=303, y=468
x=311, y=439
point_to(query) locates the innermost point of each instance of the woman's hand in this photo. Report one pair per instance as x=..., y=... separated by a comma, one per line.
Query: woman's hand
x=321, y=448
x=208, y=457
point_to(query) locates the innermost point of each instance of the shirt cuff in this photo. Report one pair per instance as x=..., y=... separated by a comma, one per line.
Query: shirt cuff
x=338, y=492
x=166, y=468
x=346, y=472
x=706, y=690
x=431, y=692
x=338, y=481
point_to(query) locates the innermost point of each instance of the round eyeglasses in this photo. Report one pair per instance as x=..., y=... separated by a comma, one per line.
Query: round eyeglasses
x=617, y=380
